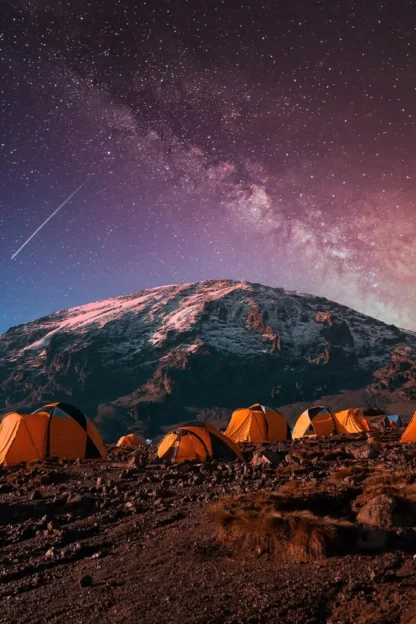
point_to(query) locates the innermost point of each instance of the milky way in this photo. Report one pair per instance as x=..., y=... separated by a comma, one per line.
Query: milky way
x=266, y=141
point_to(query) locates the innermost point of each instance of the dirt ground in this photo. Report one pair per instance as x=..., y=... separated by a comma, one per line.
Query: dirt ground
x=131, y=541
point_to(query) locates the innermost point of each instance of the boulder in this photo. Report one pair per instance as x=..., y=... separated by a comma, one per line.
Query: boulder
x=387, y=511
x=268, y=457
x=378, y=512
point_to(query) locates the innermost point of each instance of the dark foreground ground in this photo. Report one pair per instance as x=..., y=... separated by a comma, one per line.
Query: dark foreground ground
x=128, y=541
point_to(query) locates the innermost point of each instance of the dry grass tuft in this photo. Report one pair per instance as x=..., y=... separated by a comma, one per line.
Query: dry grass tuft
x=255, y=523
x=397, y=484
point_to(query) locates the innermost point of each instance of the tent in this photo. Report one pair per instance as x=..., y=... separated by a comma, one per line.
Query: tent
x=321, y=422
x=347, y=422
x=130, y=440
x=22, y=438
x=395, y=421
x=316, y=420
x=197, y=441
x=58, y=429
x=257, y=424
x=409, y=434
x=372, y=419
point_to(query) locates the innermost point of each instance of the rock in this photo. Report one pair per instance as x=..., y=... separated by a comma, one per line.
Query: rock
x=50, y=554
x=73, y=498
x=134, y=462
x=378, y=512
x=386, y=512
x=364, y=452
x=86, y=581
x=36, y=495
x=82, y=502
x=268, y=457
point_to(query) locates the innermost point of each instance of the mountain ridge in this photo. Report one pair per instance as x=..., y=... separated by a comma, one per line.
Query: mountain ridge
x=154, y=358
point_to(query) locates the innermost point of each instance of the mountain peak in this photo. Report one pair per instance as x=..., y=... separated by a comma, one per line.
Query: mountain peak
x=163, y=354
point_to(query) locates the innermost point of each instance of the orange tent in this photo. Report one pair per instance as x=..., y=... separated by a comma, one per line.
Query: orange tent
x=316, y=420
x=22, y=438
x=409, y=434
x=347, y=422
x=58, y=429
x=257, y=424
x=197, y=441
x=130, y=440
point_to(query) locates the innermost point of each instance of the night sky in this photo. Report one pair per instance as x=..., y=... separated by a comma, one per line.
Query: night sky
x=268, y=141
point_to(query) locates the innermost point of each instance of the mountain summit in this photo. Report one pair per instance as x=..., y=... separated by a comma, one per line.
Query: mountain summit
x=167, y=354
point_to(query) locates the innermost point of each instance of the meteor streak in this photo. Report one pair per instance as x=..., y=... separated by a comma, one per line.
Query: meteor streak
x=49, y=218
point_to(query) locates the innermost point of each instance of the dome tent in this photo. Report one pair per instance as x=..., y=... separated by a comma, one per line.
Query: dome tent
x=347, y=422
x=57, y=429
x=130, y=440
x=316, y=420
x=257, y=423
x=23, y=438
x=197, y=441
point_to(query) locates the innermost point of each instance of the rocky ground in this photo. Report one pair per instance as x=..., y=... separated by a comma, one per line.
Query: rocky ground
x=133, y=541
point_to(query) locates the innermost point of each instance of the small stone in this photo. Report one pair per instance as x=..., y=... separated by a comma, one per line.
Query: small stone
x=86, y=581
x=73, y=498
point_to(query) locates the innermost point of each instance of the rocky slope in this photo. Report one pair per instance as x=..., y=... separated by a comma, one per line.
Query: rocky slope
x=130, y=541
x=149, y=360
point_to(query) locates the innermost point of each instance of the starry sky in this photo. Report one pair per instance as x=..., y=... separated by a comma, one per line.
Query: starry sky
x=261, y=140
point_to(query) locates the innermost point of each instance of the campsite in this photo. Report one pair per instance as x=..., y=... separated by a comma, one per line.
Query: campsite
x=208, y=312
x=318, y=528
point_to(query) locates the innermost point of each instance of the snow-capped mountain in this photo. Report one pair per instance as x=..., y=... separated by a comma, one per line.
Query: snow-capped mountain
x=164, y=355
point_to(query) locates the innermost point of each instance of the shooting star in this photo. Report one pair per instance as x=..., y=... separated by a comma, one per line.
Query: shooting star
x=49, y=218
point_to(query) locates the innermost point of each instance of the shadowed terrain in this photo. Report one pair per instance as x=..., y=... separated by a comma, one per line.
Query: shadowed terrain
x=311, y=531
